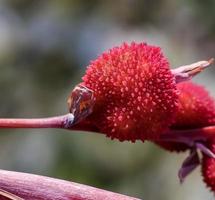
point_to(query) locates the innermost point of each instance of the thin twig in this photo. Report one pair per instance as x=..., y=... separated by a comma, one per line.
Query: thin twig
x=63, y=121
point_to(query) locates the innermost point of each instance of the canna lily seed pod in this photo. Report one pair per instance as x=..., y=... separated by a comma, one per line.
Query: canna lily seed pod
x=135, y=92
x=196, y=109
x=208, y=167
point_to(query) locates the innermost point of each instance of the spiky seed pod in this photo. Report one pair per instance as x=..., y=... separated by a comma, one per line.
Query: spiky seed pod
x=196, y=110
x=208, y=167
x=135, y=91
x=196, y=107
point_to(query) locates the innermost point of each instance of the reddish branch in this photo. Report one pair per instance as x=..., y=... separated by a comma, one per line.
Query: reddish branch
x=34, y=187
x=50, y=122
x=65, y=122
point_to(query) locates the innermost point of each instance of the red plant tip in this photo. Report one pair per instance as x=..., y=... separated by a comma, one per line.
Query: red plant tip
x=208, y=167
x=185, y=73
x=135, y=92
x=196, y=109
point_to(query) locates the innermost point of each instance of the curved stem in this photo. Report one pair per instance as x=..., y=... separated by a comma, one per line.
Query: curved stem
x=29, y=187
x=188, y=136
x=64, y=121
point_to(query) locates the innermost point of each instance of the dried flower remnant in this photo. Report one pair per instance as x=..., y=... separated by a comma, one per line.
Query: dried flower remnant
x=134, y=91
x=80, y=102
x=187, y=72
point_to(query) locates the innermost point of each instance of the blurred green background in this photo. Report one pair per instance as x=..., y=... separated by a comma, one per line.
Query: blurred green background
x=45, y=47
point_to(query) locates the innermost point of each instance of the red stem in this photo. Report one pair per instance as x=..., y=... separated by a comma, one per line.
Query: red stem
x=30, y=187
x=66, y=122
x=63, y=121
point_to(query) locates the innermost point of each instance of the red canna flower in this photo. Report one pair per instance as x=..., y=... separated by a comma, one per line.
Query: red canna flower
x=196, y=110
x=135, y=92
x=208, y=167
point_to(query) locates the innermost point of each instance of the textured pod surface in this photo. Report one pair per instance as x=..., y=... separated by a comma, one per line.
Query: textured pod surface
x=196, y=107
x=136, y=96
x=208, y=168
x=196, y=110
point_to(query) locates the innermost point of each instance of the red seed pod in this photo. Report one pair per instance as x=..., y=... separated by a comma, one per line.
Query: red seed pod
x=196, y=110
x=135, y=92
x=208, y=167
x=196, y=107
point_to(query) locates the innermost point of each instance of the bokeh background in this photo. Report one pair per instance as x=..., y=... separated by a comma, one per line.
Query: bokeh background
x=45, y=47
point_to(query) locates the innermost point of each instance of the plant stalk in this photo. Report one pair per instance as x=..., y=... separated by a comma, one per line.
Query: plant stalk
x=34, y=187
x=188, y=136
x=63, y=121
